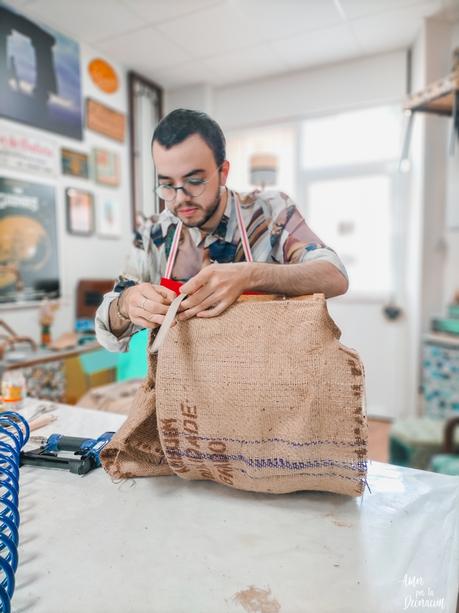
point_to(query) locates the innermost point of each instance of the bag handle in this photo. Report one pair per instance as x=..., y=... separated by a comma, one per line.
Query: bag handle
x=242, y=231
x=167, y=323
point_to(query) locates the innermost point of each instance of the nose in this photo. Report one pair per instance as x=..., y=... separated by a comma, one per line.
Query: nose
x=181, y=196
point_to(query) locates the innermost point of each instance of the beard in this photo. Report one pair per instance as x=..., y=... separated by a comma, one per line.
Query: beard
x=207, y=214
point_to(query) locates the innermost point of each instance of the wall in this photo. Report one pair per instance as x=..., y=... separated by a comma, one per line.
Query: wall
x=80, y=257
x=451, y=278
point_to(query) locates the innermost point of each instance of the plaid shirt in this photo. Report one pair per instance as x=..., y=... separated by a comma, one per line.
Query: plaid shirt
x=277, y=234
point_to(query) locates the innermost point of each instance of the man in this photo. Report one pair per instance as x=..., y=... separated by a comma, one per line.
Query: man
x=217, y=232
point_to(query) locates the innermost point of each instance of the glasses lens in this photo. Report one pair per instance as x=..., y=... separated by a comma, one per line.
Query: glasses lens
x=166, y=193
x=194, y=189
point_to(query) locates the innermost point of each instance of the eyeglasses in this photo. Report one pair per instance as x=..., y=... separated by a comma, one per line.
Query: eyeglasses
x=191, y=187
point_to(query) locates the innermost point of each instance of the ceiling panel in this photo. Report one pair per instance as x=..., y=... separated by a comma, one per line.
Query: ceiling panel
x=354, y=9
x=144, y=49
x=279, y=19
x=392, y=29
x=85, y=20
x=187, y=73
x=217, y=30
x=309, y=49
x=156, y=11
x=251, y=63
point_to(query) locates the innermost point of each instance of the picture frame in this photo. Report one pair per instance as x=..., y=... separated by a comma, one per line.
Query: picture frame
x=75, y=163
x=79, y=211
x=108, y=216
x=106, y=165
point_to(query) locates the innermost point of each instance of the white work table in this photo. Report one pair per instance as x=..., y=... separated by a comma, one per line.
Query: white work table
x=164, y=545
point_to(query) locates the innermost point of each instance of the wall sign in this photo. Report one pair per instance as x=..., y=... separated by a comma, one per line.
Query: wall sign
x=29, y=154
x=103, y=75
x=75, y=163
x=104, y=120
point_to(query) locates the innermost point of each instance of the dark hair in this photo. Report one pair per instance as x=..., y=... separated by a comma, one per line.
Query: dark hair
x=179, y=124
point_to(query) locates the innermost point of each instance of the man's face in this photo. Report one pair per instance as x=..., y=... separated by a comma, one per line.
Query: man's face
x=191, y=160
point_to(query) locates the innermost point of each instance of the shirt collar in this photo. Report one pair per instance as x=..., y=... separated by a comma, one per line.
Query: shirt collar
x=224, y=230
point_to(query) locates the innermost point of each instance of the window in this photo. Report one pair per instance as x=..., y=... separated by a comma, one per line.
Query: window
x=348, y=170
x=353, y=216
x=357, y=137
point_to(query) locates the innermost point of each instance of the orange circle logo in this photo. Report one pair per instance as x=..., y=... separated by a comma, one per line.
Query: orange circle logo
x=103, y=75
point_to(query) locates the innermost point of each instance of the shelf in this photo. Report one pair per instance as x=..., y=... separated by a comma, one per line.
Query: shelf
x=438, y=97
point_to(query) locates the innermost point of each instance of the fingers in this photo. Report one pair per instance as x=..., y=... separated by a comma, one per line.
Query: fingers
x=198, y=281
x=156, y=293
x=196, y=299
x=208, y=302
x=213, y=311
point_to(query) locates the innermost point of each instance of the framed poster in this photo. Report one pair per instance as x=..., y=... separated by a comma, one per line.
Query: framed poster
x=28, y=154
x=75, y=163
x=106, y=167
x=108, y=217
x=39, y=76
x=29, y=268
x=104, y=120
x=80, y=211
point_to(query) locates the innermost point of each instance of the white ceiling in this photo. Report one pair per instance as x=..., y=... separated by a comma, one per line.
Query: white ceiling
x=181, y=42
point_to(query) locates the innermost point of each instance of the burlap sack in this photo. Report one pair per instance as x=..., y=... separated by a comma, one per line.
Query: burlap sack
x=135, y=450
x=264, y=398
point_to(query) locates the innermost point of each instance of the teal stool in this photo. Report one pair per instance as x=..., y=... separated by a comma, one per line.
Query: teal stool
x=133, y=363
x=447, y=463
x=413, y=442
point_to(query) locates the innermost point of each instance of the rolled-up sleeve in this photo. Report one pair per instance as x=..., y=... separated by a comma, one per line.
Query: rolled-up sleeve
x=324, y=254
x=104, y=335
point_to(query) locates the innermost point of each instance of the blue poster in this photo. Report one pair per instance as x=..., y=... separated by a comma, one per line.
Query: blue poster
x=40, y=81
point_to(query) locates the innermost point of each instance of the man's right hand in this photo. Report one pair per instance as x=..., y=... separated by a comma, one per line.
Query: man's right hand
x=146, y=304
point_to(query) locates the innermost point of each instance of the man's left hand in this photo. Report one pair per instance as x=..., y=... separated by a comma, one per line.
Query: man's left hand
x=213, y=290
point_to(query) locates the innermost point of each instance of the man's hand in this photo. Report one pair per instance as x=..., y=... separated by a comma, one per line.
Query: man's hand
x=213, y=290
x=146, y=304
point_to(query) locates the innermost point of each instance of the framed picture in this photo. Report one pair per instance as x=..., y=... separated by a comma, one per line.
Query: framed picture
x=75, y=163
x=108, y=217
x=106, y=167
x=39, y=76
x=29, y=267
x=105, y=120
x=80, y=211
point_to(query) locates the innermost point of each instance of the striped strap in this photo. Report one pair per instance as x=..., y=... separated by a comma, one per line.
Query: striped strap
x=173, y=254
x=242, y=230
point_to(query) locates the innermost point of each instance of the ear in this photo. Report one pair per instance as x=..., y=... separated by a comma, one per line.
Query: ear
x=224, y=170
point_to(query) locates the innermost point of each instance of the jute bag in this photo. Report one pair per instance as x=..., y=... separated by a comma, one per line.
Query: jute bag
x=264, y=398
x=135, y=450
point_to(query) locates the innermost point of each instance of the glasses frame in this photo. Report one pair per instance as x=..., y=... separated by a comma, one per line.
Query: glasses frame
x=176, y=188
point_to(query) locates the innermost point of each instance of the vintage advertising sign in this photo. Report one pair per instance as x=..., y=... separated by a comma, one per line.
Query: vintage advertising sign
x=29, y=268
x=105, y=120
x=28, y=154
